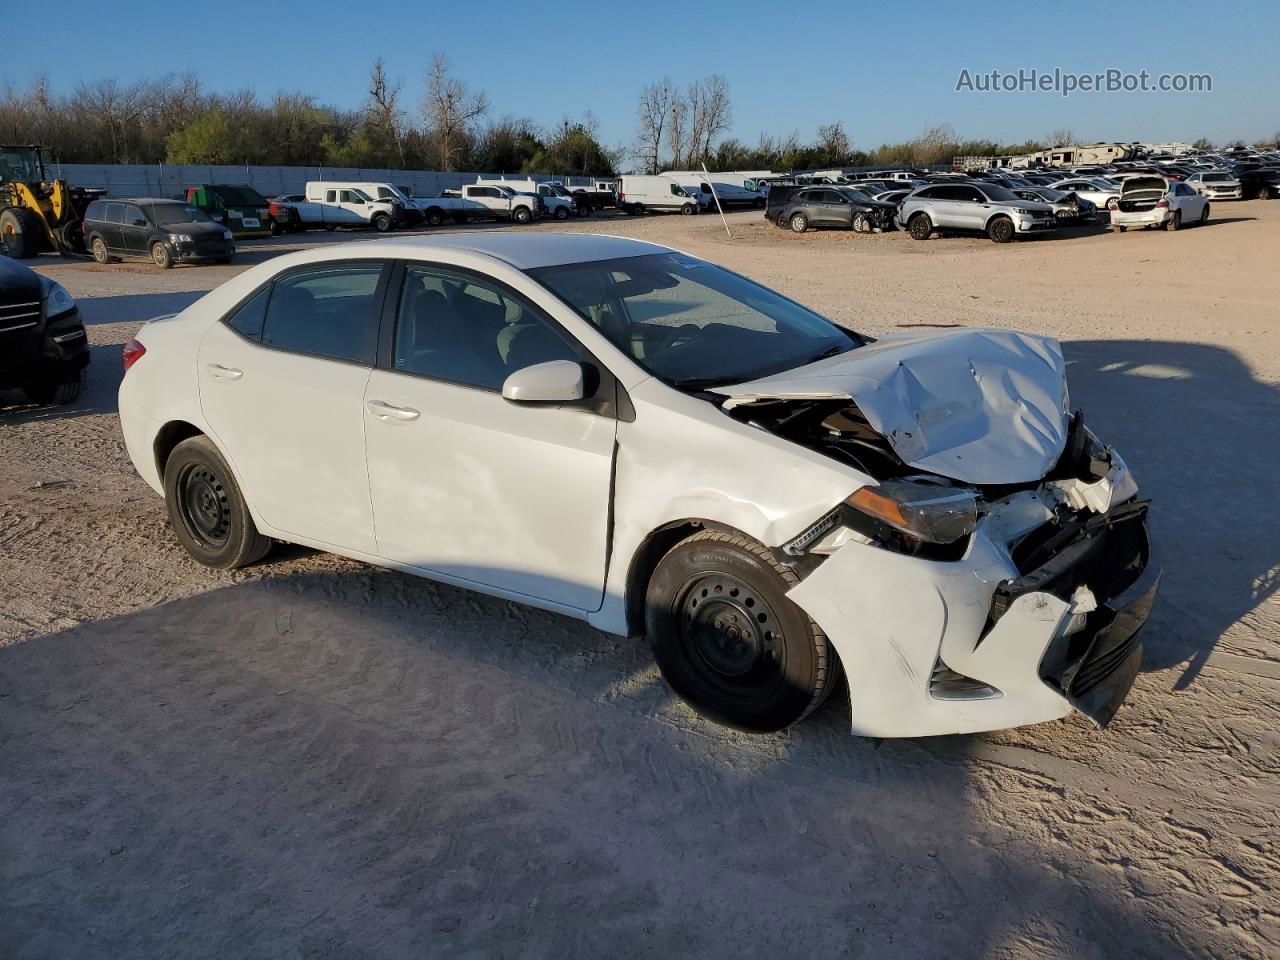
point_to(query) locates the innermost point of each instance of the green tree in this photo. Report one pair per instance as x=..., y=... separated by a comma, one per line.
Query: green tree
x=206, y=139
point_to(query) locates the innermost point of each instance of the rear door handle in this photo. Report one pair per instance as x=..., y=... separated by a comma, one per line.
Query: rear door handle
x=219, y=372
x=387, y=412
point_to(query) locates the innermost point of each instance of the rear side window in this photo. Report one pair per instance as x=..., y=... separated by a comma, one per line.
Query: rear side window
x=96, y=211
x=326, y=312
x=248, y=320
x=115, y=213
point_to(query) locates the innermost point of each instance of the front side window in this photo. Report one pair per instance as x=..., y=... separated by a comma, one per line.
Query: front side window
x=457, y=327
x=133, y=216
x=164, y=214
x=691, y=323
x=326, y=312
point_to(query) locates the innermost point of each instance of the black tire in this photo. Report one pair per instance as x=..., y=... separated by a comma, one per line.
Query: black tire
x=435, y=217
x=331, y=227
x=758, y=203
x=71, y=234
x=1204, y=215
x=728, y=640
x=781, y=221
x=1174, y=223
x=161, y=255
x=798, y=223
x=56, y=390
x=21, y=231
x=99, y=250
x=207, y=511
x=636, y=210
x=562, y=213
x=381, y=222
x=521, y=215
x=688, y=210
x=1121, y=229
x=1000, y=230
x=861, y=223
x=276, y=227
x=921, y=226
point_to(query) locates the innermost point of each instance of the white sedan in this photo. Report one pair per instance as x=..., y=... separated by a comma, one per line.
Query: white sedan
x=1100, y=193
x=631, y=435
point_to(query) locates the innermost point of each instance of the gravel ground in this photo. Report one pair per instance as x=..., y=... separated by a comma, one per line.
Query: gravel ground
x=315, y=758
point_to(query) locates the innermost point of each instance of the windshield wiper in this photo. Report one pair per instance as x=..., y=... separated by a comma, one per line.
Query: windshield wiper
x=704, y=383
x=829, y=352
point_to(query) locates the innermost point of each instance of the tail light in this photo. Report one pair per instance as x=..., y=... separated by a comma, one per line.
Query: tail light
x=273, y=209
x=133, y=351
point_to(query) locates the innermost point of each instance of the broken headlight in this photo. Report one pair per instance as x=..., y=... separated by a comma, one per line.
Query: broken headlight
x=924, y=511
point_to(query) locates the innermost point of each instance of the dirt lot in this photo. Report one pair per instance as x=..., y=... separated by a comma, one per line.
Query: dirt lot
x=314, y=758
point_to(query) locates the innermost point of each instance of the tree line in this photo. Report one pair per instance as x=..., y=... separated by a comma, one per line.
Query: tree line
x=173, y=119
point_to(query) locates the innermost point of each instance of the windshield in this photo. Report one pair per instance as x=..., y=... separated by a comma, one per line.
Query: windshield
x=239, y=196
x=1214, y=177
x=165, y=214
x=856, y=195
x=997, y=193
x=558, y=190
x=19, y=165
x=691, y=323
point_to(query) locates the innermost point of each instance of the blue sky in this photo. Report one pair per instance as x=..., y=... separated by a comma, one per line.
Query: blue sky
x=884, y=71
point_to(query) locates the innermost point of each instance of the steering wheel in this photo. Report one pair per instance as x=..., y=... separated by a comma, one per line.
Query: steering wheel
x=685, y=330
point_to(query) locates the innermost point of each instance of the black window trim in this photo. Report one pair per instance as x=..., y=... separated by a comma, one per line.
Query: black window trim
x=608, y=396
x=379, y=306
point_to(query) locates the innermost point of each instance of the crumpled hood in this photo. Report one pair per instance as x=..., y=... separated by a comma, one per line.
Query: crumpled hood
x=979, y=406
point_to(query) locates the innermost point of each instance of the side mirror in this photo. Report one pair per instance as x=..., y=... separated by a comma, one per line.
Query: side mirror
x=556, y=381
x=139, y=222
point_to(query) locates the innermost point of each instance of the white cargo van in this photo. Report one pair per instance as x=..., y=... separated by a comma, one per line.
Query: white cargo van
x=636, y=194
x=733, y=189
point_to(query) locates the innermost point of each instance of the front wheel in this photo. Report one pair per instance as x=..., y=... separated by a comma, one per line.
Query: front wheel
x=562, y=213
x=799, y=223
x=861, y=223
x=920, y=226
x=521, y=215
x=331, y=227
x=688, y=210
x=727, y=638
x=1000, y=230
x=206, y=508
x=1204, y=215
x=381, y=223
x=161, y=255
x=56, y=390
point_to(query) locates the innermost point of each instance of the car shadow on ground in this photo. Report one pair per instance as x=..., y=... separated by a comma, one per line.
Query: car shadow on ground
x=1201, y=434
x=357, y=763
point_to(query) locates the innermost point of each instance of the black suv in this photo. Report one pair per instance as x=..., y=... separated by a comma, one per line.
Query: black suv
x=833, y=207
x=43, y=348
x=164, y=231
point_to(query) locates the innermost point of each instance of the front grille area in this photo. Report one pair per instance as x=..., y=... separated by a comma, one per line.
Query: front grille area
x=19, y=316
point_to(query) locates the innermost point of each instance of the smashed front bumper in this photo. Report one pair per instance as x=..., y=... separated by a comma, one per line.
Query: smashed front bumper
x=1038, y=618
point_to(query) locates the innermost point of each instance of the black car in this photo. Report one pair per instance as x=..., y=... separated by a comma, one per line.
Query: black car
x=164, y=231
x=833, y=207
x=43, y=348
x=1260, y=183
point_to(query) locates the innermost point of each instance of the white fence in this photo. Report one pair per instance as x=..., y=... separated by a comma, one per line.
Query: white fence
x=166, y=180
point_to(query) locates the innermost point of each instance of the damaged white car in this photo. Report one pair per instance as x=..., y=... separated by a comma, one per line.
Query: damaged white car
x=637, y=437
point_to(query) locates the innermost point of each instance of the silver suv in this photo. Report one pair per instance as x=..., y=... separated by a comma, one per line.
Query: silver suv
x=987, y=207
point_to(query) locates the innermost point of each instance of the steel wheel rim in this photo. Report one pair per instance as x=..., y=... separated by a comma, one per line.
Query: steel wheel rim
x=731, y=637
x=203, y=506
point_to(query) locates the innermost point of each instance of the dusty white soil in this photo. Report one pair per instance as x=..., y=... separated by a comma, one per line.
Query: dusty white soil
x=314, y=758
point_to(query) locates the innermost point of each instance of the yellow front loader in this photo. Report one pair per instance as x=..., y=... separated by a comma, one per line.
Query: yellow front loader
x=36, y=214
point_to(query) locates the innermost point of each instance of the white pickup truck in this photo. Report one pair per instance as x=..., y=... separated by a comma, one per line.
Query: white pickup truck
x=480, y=202
x=560, y=203
x=331, y=205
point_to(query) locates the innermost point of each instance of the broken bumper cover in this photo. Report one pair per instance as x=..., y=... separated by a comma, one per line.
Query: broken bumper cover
x=1028, y=645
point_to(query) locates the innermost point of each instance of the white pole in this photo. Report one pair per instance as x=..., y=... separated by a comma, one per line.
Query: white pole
x=715, y=196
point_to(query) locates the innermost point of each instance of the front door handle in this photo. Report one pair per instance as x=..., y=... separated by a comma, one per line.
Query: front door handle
x=382, y=410
x=219, y=372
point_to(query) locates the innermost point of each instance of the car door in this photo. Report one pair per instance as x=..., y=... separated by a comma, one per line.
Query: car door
x=354, y=209
x=135, y=231
x=111, y=226
x=469, y=486
x=282, y=382
x=972, y=207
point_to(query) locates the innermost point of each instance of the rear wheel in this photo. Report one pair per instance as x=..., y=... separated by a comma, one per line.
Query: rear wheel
x=1174, y=222
x=799, y=223
x=331, y=227
x=1000, y=230
x=71, y=234
x=758, y=203
x=921, y=227
x=99, y=248
x=161, y=255
x=206, y=508
x=728, y=639
x=20, y=229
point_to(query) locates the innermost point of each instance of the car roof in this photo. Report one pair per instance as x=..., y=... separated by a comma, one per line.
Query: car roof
x=521, y=249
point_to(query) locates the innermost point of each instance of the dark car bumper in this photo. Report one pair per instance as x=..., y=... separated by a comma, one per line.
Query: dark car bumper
x=196, y=251
x=1112, y=555
x=58, y=344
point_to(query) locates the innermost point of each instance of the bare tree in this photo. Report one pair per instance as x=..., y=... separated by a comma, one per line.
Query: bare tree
x=679, y=132
x=833, y=142
x=653, y=114
x=449, y=107
x=384, y=110
x=116, y=110
x=717, y=114
x=1062, y=137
